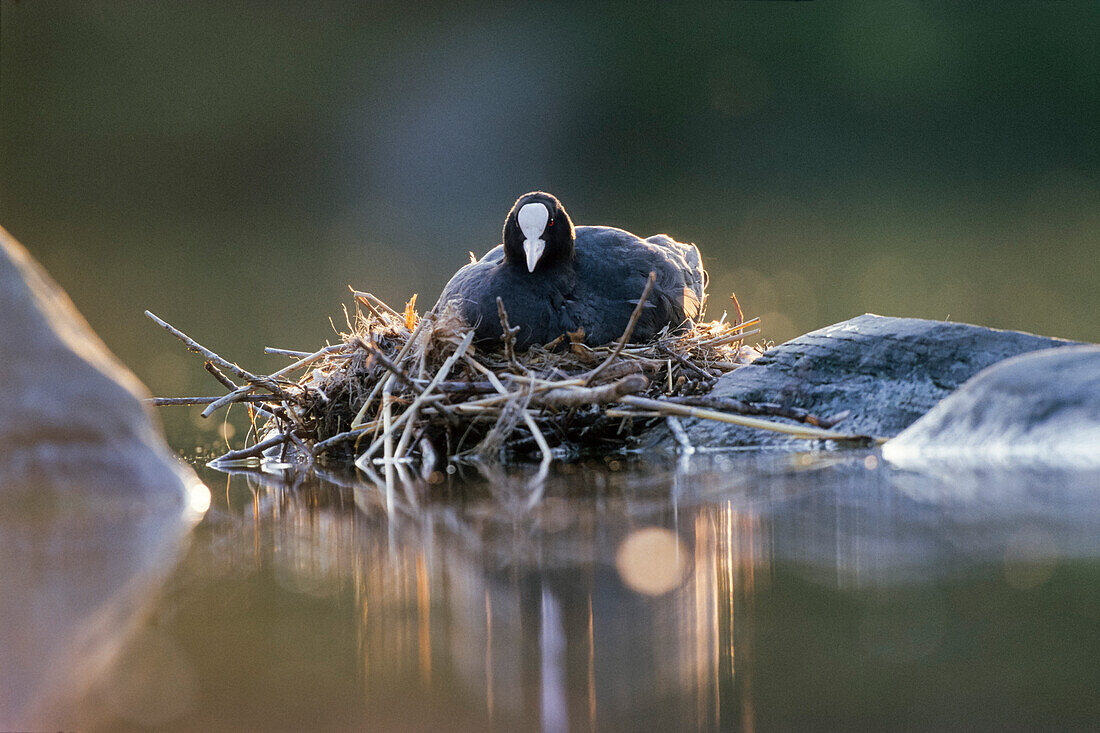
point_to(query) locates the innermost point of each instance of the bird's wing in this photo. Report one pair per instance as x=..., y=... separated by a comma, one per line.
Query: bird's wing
x=689, y=263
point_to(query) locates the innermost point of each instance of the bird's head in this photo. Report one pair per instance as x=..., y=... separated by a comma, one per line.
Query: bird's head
x=537, y=232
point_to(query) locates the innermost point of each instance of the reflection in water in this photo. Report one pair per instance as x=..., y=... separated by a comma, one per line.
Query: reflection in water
x=762, y=596
x=78, y=567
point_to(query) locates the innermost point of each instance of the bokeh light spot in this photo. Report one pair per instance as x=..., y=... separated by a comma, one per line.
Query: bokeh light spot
x=651, y=561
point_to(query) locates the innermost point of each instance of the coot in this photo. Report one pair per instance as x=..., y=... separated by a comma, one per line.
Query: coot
x=554, y=278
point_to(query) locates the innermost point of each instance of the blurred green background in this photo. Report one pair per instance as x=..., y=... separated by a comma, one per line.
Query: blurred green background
x=234, y=166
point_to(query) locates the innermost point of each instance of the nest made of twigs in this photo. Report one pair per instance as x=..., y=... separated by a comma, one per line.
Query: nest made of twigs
x=400, y=388
x=417, y=388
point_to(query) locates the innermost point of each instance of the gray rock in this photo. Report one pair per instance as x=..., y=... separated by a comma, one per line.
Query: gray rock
x=886, y=371
x=70, y=411
x=93, y=504
x=1041, y=407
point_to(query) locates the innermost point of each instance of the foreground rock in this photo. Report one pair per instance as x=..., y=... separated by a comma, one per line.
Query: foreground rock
x=1042, y=407
x=886, y=372
x=70, y=410
x=93, y=504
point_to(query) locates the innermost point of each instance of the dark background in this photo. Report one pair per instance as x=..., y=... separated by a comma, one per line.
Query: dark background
x=233, y=167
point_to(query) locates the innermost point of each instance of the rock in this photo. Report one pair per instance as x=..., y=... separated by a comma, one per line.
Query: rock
x=886, y=371
x=94, y=506
x=1042, y=407
x=71, y=411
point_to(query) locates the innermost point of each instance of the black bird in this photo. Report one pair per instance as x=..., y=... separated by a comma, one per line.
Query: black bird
x=554, y=278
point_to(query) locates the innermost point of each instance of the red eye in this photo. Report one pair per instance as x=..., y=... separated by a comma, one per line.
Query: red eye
x=551, y=222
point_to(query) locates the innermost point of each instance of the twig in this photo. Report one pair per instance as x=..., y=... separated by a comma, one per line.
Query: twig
x=322, y=446
x=508, y=336
x=730, y=339
x=267, y=383
x=459, y=387
x=580, y=396
x=285, y=352
x=369, y=298
x=730, y=404
x=439, y=377
x=679, y=434
x=359, y=416
x=253, y=451
x=798, y=431
x=376, y=353
x=219, y=375
x=175, y=401
x=232, y=387
x=684, y=363
x=194, y=346
x=240, y=392
x=739, y=327
x=634, y=316
x=538, y=482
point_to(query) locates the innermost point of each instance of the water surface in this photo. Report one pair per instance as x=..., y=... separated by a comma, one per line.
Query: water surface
x=732, y=592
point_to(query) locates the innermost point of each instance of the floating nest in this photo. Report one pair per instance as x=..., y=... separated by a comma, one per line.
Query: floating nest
x=405, y=389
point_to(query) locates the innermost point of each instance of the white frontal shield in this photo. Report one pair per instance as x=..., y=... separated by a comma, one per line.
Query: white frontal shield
x=532, y=222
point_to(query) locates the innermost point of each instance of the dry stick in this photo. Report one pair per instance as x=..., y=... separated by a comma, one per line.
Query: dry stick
x=684, y=363
x=322, y=446
x=254, y=381
x=536, y=433
x=797, y=431
x=387, y=436
x=377, y=387
x=294, y=353
x=493, y=380
x=376, y=353
x=730, y=404
x=363, y=429
x=509, y=334
x=219, y=375
x=307, y=360
x=544, y=447
x=370, y=298
x=235, y=395
x=267, y=383
x=253, y=451
x=729, y=339
x=173, y=401
x=626, y=334
x=458, y=387
x=406, y=434
x=232, y=386
x=538, y=382
x=439, y=377
x=580, y=396
x=622, y=368
x=741, y=328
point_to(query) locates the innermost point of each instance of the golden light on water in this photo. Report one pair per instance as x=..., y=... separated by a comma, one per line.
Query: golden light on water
x=198, y=499
x=651, y=561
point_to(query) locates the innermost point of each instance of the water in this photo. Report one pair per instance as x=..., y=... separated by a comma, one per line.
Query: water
x=732, y=592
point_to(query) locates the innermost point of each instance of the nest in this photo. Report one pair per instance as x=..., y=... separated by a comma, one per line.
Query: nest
x=405, y=389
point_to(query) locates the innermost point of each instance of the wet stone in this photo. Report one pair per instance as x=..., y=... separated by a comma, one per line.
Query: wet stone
x=886, y=372
x=1041, y=407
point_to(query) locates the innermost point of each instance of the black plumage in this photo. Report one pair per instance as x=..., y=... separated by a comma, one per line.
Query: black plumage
x=555, y=278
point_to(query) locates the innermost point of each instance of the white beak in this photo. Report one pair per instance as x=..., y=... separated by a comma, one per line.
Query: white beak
x=533, y=248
